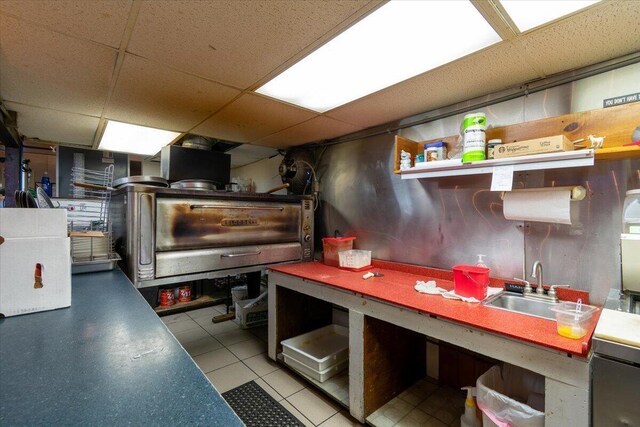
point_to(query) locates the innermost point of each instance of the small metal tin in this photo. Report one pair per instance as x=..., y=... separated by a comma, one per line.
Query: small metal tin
x=167, y=298
x=491, y=146
x=184, y=294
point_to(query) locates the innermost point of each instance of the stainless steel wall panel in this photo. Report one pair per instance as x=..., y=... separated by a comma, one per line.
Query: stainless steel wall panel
x=585, y=255
x=439, y=223
x=446, y=221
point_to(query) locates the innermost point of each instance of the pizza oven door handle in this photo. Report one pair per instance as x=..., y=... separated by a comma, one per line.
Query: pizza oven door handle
x=261, y=208
x=239, y=255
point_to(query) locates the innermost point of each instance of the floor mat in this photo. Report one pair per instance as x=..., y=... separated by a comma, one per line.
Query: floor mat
x=256, y=408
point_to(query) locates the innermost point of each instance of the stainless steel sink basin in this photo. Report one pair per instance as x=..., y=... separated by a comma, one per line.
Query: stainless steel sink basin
x=517, y=303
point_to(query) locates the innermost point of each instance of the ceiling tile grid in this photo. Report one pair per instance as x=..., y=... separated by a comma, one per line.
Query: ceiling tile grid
x=318, y=128
x=495, y=68
x=99, y=21
x=54, y=126
x=252, y=117
x=150, y=94
x=192, y=65
x=246, y=153
x=43, y=68
x=597, y=34
x=234, y=42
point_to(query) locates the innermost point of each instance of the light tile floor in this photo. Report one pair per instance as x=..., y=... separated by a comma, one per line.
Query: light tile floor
x=230, y=356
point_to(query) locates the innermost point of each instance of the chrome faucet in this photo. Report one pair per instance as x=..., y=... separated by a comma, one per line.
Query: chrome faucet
x=536, y=273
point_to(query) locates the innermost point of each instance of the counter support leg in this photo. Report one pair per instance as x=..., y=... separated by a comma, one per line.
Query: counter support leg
x=356, y=365
x=565, y=405
x=271, y=326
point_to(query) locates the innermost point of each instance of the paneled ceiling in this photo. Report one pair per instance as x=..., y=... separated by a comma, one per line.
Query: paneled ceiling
x=66, y=66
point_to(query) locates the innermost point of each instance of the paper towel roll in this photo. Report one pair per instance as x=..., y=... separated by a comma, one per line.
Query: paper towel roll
x=542, y=205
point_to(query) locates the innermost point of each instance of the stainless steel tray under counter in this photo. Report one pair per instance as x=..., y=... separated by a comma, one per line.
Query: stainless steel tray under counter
x=93, y=266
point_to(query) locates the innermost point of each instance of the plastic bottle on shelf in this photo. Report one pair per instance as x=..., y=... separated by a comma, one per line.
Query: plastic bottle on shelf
x=480, y=262
x=46, y=184
x=474, y=137
x=469, y=419
x=631, y=212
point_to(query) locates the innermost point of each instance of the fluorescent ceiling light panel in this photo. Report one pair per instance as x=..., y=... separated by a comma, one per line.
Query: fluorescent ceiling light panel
x=127, y=138
x=527, y=14
x=398, y=41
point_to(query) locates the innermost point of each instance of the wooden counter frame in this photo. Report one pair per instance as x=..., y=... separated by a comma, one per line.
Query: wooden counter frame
x=566, y=377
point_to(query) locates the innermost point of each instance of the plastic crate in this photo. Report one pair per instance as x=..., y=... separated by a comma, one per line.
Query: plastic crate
x=319, y=349
x=321, y=376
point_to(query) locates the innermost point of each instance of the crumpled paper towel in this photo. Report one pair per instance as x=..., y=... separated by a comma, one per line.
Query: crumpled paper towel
x=432, y=288
x=429, y=287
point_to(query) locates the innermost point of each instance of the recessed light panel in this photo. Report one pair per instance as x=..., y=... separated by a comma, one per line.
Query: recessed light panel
x=127, y=138
x=398, y=41
x=527, y=14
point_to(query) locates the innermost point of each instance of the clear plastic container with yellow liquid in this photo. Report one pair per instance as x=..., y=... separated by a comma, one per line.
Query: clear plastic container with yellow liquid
x=573, y=318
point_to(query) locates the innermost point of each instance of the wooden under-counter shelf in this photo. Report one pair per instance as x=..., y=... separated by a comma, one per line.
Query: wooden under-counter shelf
x=615, y=123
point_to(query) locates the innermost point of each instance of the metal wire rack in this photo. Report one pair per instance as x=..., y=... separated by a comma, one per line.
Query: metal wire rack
x=92, y=213
x=92, y=245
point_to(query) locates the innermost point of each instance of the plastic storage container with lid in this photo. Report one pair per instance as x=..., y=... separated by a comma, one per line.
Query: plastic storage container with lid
x=631, y=212
x=319, y=354
x=355, y=259
x=573, y=318
x=331, y=246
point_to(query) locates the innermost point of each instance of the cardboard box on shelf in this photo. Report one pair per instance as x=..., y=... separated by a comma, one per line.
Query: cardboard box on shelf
x=549, y=144
x=35, y=261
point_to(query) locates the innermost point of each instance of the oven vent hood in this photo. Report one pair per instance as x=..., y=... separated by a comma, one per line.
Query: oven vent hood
x=180, y=163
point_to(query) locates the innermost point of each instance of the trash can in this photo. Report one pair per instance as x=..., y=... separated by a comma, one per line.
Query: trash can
x=511, y=397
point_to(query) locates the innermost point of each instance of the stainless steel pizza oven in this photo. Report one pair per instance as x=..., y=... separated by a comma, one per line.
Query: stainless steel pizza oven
x=172, y=235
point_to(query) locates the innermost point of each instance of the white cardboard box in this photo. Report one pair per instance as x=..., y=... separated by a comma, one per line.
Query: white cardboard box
x=34, y=241
x=252, y=316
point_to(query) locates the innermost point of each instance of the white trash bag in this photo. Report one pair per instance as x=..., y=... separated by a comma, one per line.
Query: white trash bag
x=500, y=393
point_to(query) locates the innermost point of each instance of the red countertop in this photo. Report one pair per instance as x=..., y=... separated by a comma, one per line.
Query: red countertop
x=397, y=287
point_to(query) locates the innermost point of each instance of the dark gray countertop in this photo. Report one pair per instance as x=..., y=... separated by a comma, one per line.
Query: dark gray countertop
x=106, y=360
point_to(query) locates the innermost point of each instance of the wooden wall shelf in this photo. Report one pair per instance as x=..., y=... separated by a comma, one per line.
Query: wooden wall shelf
x=615, y=153
x=616, y=124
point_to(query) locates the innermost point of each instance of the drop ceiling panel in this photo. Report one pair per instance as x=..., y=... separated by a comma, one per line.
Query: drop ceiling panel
x=46, y=69
x=54, y=126
x=493, y=69
x=316, y=129
x=99, y=21
x=598, y=34
x=246, y=153
x=252, y=117
x=150, y=94
x=235, y=42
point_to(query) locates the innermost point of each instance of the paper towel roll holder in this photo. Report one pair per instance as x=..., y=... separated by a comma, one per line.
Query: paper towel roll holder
x=578, y=192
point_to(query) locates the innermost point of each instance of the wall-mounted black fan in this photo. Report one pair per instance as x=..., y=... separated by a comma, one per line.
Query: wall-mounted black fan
x=296, y=170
